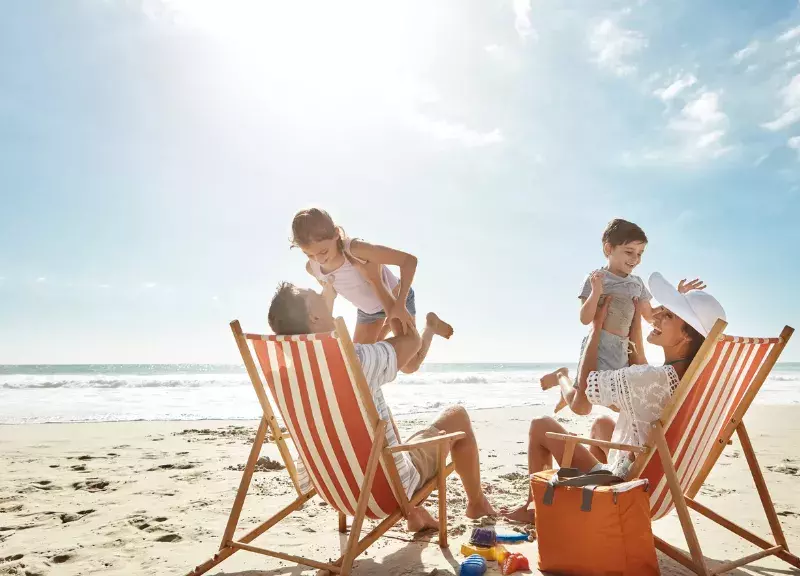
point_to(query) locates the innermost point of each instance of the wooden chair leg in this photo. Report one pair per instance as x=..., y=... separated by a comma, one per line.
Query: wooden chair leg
x=442, y=473
x=569, y=452
x=363, y=499
x=680, y=504
x=761, y=486
x=244, y=484
x=342, y=523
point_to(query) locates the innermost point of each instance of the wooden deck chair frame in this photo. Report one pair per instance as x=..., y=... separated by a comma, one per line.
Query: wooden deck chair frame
x=379, y=453
x=683, y=502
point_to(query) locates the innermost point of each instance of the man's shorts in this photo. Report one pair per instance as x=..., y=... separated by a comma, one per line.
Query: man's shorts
x=426, y=459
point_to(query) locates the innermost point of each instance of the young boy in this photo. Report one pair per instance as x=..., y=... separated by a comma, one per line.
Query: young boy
x=623, y=245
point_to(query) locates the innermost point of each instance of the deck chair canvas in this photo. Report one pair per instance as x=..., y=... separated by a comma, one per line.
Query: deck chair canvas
x=706, y=409
x=323, y=398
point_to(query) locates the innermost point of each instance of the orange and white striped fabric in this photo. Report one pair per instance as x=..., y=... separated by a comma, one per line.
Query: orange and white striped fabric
x=718, y=388
x=313, y=385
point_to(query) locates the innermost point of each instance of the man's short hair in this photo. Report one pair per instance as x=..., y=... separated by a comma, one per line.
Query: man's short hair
x=288, y=314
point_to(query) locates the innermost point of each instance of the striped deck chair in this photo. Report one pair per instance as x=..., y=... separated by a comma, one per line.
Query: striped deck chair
x=323, y=398
x=702, y=415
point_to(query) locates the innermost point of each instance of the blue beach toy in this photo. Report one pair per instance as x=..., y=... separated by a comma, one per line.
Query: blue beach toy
x=473, y=566
x=512, y=538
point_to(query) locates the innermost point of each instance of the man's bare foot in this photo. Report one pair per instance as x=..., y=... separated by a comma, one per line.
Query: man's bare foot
x=521, y=514
x=480, y=509
x=551, y=380
x=420, y=519
x=439, y=326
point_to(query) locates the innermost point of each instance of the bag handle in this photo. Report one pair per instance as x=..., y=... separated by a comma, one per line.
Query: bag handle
x=573, y=477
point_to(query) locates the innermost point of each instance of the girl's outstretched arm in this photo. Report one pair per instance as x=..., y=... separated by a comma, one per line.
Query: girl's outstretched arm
x=389, y=256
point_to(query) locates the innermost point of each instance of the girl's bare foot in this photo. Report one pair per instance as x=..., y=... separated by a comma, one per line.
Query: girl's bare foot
x=480, y=509
x=439, y=326
x=551, y=380
x=420, y=519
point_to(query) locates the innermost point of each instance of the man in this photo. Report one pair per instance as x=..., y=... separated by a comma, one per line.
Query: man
x=299, y=311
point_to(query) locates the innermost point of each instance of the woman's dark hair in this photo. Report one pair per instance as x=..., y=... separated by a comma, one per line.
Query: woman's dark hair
x=695, y=340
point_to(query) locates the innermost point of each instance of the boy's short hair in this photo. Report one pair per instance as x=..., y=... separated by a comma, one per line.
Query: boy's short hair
x=619, y=232
x=288, y=314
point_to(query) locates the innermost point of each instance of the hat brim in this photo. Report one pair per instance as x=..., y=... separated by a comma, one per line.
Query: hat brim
x=669, y=297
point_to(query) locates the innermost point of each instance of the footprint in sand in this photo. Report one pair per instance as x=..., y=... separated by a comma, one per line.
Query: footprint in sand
x=85, y=457
x=91, y=485
x=45, y=485
x=784, y=469
x=61, y=558
x=66, y=518
x=168, y=538
x=78, y=468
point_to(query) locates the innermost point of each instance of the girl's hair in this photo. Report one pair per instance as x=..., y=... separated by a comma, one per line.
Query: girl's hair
x=695, y=340
x=313, y=225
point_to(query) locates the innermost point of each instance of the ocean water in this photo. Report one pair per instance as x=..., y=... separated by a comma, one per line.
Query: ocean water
x=41, y=393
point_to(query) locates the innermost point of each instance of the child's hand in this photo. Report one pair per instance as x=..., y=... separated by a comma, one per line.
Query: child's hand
x=696, y=284
x=400, y=313
x=596, y=281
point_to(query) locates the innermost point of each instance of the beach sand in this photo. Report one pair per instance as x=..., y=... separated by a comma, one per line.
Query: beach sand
x=153, y=498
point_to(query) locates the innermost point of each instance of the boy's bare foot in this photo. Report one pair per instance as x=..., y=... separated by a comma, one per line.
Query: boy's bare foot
x=420, y=519
x=439, y=326
x=551, y=380
x=480, y=509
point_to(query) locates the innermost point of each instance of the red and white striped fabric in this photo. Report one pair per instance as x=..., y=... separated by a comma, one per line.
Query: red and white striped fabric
x=313, y=385
x=718, y=389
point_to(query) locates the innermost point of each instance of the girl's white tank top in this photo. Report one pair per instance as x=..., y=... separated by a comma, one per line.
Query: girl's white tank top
x=352, y=286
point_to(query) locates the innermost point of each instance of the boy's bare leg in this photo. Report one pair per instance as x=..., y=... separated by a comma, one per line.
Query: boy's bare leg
x=367, y=333
x=551, y=380
x=434, y=326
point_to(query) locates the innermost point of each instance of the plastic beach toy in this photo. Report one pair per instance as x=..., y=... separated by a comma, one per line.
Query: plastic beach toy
x=484, y=537
x=513, y=562
x=512, y=538
x=482, y=551
x=473, y=566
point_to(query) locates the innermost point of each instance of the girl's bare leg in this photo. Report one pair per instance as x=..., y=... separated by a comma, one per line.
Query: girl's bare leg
x=368, y=333
x=434, y=326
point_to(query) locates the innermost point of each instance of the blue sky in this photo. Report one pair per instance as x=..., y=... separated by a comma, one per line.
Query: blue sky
x=152, y=154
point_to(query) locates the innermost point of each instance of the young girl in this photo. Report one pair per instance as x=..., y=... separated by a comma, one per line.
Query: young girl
x=336, y=261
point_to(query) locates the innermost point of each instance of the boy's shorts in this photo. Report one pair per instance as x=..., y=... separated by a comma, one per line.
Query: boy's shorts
x=365, y=318
x=612, y=353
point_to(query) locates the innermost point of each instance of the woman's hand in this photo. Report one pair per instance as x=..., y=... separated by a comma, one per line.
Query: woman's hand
x=400, y=313
x=696, y=284
x=602, y=312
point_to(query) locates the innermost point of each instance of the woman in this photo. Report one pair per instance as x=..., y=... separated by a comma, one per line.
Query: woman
x=638, y=392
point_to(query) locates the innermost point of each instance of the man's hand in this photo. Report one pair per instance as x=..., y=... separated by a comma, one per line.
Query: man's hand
x=696, y=284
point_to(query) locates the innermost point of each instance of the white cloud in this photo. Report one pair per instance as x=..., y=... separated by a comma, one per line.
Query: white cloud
x=702, y=115
x=790, y=34
x=149, y=285
x=104, y=286
x=444, y=130
x=746, y=52
x=790, y=97
x=522, y=19
x=760, y=160
x=612, y=46
x=678, y=86
x=791, y=65
x=794, y=144
x=40, y=279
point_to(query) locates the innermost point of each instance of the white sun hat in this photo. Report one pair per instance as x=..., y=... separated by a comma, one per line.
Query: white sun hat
x=698, y=309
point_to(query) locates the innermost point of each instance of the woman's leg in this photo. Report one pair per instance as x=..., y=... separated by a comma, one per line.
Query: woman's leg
x=541, y=451
x=368, y=333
